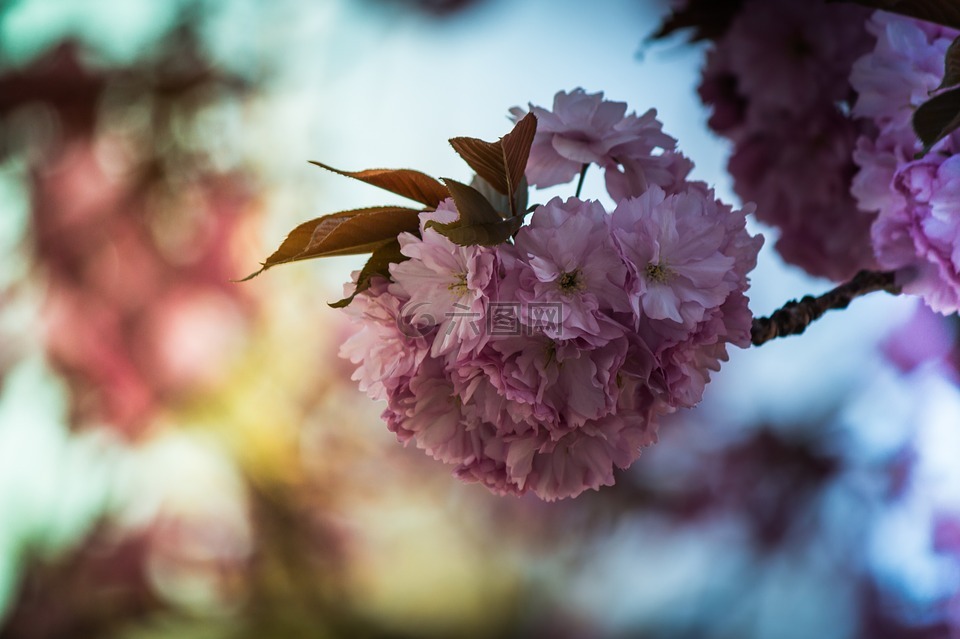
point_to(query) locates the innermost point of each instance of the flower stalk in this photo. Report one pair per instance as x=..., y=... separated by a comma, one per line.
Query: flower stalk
x=583, y=176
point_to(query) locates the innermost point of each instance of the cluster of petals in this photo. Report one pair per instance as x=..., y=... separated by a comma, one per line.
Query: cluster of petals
x=584, y=129
x=543, y=364
x=800, y=178
x=790, y=57
x=905, y=66
x=818, y=100
x=778, y=86
x=918, y=233
x=917, y=199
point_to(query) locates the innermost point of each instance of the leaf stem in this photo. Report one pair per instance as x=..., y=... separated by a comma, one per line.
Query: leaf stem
x=794, y=317
x=583, y=174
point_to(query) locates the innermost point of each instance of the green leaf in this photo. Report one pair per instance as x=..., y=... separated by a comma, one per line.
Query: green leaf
x=345, y=233
x=379, y=264
x=951, y=75
x=945, y=12
x=500, y=163
x=479, y=222
x=415, y=185
x=937, y=118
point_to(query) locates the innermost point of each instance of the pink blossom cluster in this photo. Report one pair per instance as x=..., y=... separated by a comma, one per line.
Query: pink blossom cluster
x=583, y=129
x=778, y=85
x=824, y=143
x=542, y=363
x=917, y=229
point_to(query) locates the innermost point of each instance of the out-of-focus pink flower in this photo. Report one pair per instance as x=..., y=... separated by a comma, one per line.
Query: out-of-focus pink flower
x=789, y=57
x=778, y=82
x=719, y=89
x=946, y=533
x=799, y=176
x=872, y=186
x=925, y=338
x=916, y=232
x=921, y=238
x=193, y=333
x=139, y=309
x=906, y=65
x=120, y=292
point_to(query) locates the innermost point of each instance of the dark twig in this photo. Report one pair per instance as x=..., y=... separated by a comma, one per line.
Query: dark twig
x=795, y=315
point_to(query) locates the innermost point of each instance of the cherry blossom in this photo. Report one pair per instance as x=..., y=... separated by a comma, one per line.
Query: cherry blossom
x=575, y=335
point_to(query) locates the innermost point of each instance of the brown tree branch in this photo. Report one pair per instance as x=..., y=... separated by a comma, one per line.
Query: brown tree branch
x=795, y=315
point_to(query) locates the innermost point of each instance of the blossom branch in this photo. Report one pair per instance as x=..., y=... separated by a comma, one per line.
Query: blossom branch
x=795, y=316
